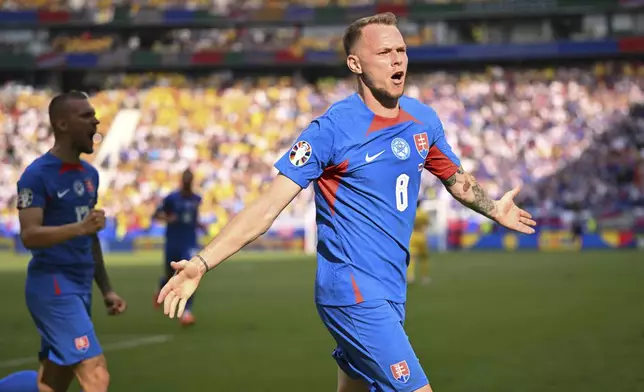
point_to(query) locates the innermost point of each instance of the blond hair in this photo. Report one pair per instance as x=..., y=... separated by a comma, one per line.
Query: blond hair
x=354, y=31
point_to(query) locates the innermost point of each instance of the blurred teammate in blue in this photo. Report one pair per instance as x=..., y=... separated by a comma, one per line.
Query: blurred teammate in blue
x=180, y=211
x=23, y=381
x=365, y=156
x=57, y=195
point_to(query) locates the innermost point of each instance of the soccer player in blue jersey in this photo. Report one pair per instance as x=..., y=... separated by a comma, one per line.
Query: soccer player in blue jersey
x=180, y=211
x=57, y=194
x=365, y=156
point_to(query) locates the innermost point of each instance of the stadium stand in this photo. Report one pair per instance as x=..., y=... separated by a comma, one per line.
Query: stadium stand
x=535, y=121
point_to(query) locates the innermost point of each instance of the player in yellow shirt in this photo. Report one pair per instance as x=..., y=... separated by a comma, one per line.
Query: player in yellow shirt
x=419, y=249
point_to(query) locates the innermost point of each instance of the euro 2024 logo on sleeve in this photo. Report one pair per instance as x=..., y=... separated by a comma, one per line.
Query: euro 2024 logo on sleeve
x=25, y=198
x=300, y=153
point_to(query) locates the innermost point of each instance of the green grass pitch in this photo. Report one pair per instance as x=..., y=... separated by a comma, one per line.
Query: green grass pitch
x=497, y=322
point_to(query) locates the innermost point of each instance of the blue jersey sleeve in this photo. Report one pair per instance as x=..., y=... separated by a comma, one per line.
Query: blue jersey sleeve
x=31, y=191
x=441, y=160
x=310, y=155
x=166, y=206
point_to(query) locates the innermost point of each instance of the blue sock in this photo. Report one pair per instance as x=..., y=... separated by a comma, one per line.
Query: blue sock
x=23, y=381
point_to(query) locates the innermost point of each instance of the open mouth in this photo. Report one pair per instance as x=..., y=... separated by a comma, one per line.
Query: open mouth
x=398, y=77
x=95, y=137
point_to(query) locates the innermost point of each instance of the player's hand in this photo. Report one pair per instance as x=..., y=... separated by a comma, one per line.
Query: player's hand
x=179, y=288
x=93, y=222
x=114, y=303
x=513, y=217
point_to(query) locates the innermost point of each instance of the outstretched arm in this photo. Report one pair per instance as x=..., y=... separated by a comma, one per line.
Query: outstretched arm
x=307, y=159
x=444, y=164
x=250, y=223
x=464, y=188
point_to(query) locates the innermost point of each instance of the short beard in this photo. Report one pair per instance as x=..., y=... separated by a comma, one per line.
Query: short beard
x=380, y=94
x=81, y=149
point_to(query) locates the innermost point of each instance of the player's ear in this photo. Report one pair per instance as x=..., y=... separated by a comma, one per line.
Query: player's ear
x=353, y=62
x=61, y=125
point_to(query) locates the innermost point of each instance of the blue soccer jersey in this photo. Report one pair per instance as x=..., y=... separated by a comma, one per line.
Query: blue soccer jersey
x=181, y=233
x=366, y=170
x=66, y=193
x=58, y=289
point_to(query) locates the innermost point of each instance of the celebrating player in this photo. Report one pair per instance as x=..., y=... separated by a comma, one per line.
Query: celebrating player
x=365, y=156
x=180, y=210
x=57, y=194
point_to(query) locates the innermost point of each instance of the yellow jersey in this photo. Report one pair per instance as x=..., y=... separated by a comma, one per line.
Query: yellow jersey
x=418, y=244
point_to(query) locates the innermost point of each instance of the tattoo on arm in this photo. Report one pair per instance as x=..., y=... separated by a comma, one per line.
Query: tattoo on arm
x=482, y=202
x=452, y=179
x=100, y=273
x=467, y=191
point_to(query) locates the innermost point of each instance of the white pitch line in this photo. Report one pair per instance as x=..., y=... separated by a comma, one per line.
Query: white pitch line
x=122, y=345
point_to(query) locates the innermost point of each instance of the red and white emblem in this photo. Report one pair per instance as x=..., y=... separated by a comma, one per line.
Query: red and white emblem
x=82, y=343
x=422, y=144
x=400, y=370
x=89, y=186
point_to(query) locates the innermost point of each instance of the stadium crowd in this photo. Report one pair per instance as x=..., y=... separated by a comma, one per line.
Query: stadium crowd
x=295, y=39
x=565, y=132
x=219, y=6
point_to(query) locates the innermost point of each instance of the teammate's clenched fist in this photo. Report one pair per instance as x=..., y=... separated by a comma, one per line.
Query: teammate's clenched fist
x=93, y=222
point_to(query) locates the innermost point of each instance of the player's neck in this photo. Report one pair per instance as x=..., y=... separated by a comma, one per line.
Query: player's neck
x=65, y=154
x=379, y=105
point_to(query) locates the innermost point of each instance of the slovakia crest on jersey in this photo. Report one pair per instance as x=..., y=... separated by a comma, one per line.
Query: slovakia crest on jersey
x=422, y=144
x=82, y=343
x=90, y=186
x=400, y=371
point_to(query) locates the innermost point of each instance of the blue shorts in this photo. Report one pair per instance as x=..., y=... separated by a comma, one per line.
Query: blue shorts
x=373, y=345
x=65, y=326
x=177, y=255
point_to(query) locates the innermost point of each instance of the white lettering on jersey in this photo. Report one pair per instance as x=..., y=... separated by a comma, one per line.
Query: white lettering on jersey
x=402, y=194
x=81, y=212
